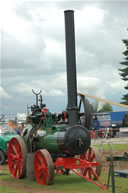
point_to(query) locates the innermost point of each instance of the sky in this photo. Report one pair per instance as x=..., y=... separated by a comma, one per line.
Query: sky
x=33, y=51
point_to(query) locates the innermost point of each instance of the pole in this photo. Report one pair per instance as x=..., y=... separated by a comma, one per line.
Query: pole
x=71, y=67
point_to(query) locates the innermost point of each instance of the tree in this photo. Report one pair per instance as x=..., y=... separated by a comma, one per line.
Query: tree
x=124, y=72
x=106, y=108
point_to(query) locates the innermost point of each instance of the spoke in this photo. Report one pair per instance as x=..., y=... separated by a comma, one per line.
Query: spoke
x=92, y=158
x=13, y=163
x=45, y=178
x=89, y=174
x=39, y=157
x=20, y=164
x=14, y=149
x=11, y=148
x=86, y=156
x=15, y=170
x=80, y=104
x=13, y=156
x=38, y=165
x=41, y=176
x=41, y=173
x=19, y=170
x=44, y=166
x=41, y=167
x=89, y=154
x=20, y=159
x=85, y=172
x=20, y=156
x=44, y=162
x=46, y=175
x=45, y=169
x=83, y=156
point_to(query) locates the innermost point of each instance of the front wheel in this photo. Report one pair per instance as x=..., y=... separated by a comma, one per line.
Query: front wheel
x=17, y=154
x=2, y=157
x=43, y=167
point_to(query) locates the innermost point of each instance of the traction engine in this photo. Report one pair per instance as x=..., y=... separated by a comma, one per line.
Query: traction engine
x=57, y=143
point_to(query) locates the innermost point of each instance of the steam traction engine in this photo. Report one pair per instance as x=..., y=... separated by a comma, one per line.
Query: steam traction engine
x=60, y=143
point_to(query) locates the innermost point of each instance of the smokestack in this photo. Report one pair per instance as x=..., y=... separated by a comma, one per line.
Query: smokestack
x=71, y=67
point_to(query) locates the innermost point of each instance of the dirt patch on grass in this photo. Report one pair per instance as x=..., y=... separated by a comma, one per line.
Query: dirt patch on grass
x=25, y=188
x=3, y=168
x=118, y=165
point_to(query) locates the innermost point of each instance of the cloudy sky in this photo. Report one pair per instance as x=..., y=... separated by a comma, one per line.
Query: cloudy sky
x=33, y=51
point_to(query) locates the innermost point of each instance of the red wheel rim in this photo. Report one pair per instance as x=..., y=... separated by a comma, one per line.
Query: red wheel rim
x=17, y=154
x=89, y=155
x=43, y=167
x=92, y=155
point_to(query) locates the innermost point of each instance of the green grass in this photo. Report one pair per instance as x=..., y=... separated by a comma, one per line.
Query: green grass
x=65, y=184
x=6, y=189
x=114, y=146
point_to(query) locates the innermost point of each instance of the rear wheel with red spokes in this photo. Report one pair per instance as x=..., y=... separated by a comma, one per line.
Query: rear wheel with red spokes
x=17, y=155
x=92, y=155
x=43, y=167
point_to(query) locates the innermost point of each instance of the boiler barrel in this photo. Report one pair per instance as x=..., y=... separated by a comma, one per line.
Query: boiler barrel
x=73, y=140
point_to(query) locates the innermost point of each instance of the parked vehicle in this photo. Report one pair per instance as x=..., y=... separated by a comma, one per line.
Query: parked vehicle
x=6, y=134
x=113, y=120
x=101, y=124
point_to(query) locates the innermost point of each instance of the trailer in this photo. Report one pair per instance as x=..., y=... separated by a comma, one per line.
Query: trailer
x=114, y=121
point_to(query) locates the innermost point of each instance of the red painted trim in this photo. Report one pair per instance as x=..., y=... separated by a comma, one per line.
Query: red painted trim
x=45, y=112
x=64, y=112
x=76, y=163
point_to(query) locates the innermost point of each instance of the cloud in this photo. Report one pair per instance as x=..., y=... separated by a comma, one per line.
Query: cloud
x=55, y=86
x=33, y=51
x=21, y=116
x=54, y=48
x=55, y=93
x=93, y=18
x=4, y=94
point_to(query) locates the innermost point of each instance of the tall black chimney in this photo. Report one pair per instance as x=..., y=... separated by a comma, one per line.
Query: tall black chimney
x=71, y=67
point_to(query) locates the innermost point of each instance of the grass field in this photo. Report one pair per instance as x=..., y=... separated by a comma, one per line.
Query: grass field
x=62, y=183
x=114, y=146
